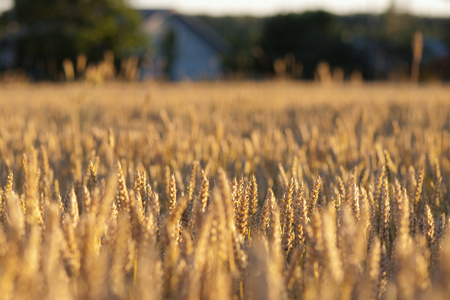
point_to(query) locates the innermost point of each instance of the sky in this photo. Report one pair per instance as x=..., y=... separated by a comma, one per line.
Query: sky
x=270, y=7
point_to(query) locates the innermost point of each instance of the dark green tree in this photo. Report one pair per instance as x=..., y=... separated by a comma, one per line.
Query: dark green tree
x=53, y=30
x=244, y=34
x=310, y=37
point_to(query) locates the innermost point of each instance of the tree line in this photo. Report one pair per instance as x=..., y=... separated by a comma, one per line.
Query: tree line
x=379, y=47
x=44, y=34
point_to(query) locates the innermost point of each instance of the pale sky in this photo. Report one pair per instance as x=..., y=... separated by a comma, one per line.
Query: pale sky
x=269, y=7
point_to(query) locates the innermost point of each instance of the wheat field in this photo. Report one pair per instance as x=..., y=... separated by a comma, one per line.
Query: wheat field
x=267, y=190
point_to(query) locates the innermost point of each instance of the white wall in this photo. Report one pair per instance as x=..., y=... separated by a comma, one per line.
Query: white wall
x=195, y=58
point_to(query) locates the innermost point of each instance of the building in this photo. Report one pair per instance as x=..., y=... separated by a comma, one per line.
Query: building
x=181, y=47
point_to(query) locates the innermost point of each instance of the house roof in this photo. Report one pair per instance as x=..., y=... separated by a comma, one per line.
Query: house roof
x=147, y=13
x=199, y=27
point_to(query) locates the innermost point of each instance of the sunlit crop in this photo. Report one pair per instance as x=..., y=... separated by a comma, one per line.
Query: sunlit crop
x=224, y=191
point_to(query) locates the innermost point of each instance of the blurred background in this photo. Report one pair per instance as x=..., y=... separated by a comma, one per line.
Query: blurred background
x=326, y=41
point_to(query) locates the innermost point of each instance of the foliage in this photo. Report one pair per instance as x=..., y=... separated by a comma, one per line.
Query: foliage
x=379, y=46
x=244, y=34
x=53, y=30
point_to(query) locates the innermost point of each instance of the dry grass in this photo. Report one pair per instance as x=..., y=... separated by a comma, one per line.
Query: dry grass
x=224, y=191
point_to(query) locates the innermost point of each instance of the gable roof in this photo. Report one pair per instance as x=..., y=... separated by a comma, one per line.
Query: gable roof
x=203, y=30
x=147, y=13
